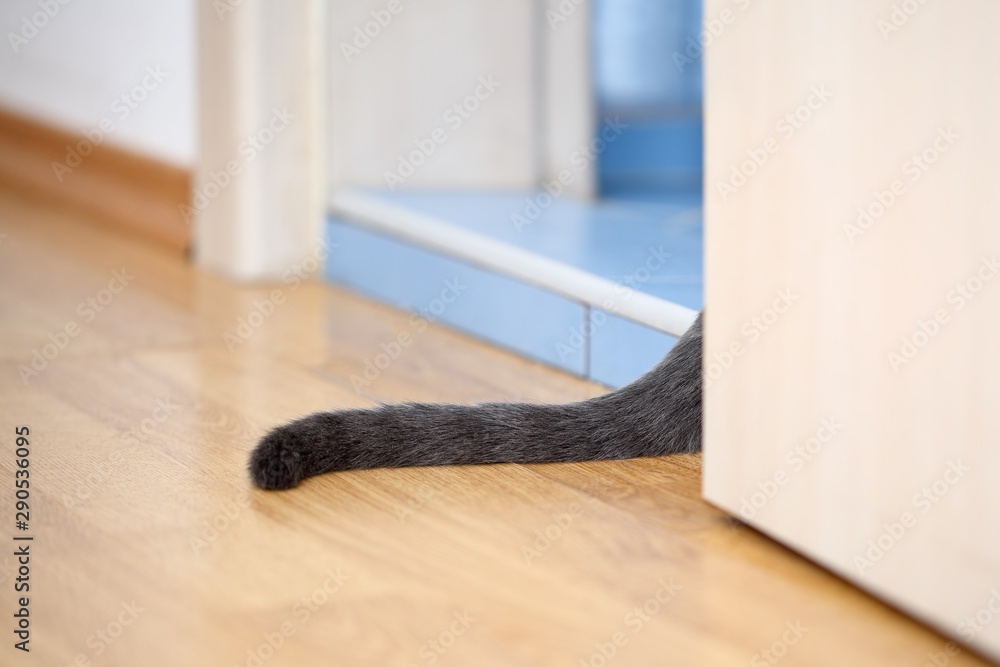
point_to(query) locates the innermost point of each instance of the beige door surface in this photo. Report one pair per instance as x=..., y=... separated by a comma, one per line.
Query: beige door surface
x=853, y=288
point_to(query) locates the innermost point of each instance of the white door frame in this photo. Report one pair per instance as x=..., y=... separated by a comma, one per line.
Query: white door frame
x=259, y=209
x=258, y=198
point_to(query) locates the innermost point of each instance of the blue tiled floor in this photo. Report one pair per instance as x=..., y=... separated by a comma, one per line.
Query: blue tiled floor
x=652, y=243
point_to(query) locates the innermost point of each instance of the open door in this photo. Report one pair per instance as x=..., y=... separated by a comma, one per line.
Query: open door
x=852, y=356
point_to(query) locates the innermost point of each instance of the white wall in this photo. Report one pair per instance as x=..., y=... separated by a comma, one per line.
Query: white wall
x=397, y=87
x=89, y=53
x=403, y=81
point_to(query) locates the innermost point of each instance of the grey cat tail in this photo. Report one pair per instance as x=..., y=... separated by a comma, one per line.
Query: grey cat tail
x=658, y=414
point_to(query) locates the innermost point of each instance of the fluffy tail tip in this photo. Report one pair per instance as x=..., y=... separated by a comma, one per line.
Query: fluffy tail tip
x=277, y=462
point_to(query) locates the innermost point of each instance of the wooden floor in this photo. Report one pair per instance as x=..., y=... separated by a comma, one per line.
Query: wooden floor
x=150, y=547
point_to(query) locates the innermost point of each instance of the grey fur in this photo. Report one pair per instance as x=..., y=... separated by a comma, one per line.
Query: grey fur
x=658, y=414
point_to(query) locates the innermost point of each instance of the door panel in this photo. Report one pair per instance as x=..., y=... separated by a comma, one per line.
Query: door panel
x=853, y=323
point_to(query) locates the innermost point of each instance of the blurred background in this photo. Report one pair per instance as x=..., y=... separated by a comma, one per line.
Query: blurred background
x=570, y=131
x=67, y=64
x=646, y=72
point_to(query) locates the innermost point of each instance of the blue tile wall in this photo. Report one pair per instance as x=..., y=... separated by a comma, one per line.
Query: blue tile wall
x=507, y=312
x=621, y=350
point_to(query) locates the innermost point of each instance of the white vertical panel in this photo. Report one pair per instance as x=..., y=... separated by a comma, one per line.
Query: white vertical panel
x=258, y=191
x=567, y=95
x=881, y=467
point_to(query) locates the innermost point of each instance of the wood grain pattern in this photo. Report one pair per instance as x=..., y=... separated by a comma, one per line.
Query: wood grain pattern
x=140, y=430
x=112, y=185
x=851, y=267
